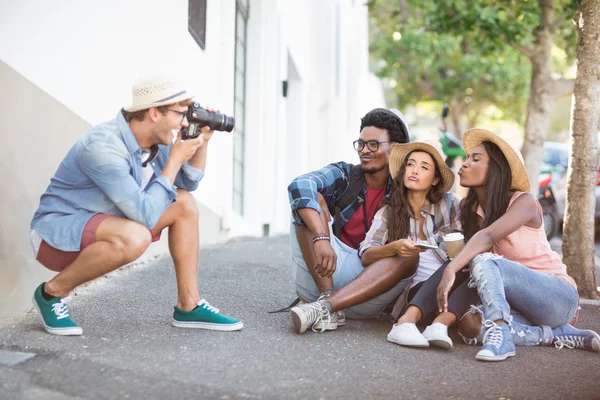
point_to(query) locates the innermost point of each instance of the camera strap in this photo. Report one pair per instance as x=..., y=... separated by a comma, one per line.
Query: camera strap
x=151, y=155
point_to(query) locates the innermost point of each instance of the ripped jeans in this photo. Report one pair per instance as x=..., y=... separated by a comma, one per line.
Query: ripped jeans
x=544, y=300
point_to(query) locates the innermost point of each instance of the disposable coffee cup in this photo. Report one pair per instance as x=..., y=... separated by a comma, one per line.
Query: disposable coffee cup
x=454, y=244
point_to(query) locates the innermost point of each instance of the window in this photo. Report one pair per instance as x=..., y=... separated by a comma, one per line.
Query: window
x=241, y=23
x=197, y=21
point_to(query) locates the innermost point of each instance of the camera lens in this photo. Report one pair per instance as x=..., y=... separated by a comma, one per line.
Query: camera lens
x=228, y=123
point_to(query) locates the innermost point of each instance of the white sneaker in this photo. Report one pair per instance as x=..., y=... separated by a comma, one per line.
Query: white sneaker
x=437, y=335
x=341, y=318
x=305, y=316
x=407, y=334
x=336, y=319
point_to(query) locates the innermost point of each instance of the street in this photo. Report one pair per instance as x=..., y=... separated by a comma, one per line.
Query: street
x=556, y=243
x=129, y=350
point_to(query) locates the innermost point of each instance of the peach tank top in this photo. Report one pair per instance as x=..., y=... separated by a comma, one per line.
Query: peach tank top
x=530, y=247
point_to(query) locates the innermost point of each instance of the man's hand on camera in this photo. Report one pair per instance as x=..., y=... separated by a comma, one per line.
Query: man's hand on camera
x=206, y=133
x=183, y=150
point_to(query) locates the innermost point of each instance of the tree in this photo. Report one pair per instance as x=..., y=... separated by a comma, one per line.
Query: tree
x=530, y=27
x=422, y=64
x=578, y=237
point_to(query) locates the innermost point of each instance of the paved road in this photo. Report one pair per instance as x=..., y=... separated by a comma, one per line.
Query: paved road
x=556, y=244
x=129, y=350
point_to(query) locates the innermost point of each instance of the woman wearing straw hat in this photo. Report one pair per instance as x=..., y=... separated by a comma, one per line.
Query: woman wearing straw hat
x=509, y=257
x=419, y=213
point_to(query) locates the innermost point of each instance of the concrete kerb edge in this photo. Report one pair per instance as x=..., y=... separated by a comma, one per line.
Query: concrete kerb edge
x=589, y=302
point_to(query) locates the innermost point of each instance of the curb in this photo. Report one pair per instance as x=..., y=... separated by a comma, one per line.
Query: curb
x=589, y=302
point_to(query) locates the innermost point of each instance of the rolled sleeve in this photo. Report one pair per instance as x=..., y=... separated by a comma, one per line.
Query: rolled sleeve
x=304, y=191
x=378, y=233
x=187, y=177
x=303, y=194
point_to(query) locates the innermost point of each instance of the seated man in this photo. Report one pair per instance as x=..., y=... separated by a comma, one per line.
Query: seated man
x=118, y=187
x=329, y=276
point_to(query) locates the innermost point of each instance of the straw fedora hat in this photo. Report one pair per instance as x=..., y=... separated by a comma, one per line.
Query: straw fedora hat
x=156, y=91
x=520, y=178
x=400, y=151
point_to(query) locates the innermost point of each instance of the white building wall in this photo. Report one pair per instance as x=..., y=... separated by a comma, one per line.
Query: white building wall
x=85, y=54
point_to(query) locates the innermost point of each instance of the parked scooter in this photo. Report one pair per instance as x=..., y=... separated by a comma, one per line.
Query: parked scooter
x=451, y=146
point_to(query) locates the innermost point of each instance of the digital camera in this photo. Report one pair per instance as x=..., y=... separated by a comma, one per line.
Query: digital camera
x=199, y=117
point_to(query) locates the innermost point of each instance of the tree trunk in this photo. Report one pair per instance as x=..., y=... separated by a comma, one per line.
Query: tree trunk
x=456, y=114
x=541, y=96
x=578, y=234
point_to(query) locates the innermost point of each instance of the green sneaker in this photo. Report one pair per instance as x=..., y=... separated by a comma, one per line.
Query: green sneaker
x=205, y=317
x=55, y=314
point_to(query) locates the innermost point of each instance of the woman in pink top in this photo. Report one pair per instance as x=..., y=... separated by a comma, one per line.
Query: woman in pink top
x=509, y=257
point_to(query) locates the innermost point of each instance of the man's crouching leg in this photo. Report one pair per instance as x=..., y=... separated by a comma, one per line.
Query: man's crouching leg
x=191, y=311
x=119, y=241
x=114, y=243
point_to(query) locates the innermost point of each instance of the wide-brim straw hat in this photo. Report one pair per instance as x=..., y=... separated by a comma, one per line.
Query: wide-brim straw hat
x=434, y=149
x=520, y=178
x=156, y=91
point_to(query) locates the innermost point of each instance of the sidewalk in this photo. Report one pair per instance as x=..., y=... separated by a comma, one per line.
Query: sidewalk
x=556, y=245
x=129, y=350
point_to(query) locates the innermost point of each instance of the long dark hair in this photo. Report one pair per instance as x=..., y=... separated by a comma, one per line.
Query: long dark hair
x=497, y=187
x=399, y=210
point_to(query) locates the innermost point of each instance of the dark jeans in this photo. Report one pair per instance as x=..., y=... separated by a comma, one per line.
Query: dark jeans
x=459, y=300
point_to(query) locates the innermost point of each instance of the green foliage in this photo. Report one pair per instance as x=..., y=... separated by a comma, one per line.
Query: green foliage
x=497, y=23
x=465, y=52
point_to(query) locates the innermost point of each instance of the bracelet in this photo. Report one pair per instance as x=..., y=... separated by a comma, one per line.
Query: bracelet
x=319, y=237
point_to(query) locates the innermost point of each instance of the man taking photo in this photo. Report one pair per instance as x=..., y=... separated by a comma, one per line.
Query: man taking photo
x=118, y=187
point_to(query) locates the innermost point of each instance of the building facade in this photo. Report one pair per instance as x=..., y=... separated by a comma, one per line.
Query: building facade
x=293, y=73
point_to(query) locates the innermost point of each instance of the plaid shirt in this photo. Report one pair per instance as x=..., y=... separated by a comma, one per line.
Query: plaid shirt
x=440, y=218
x=331, y=181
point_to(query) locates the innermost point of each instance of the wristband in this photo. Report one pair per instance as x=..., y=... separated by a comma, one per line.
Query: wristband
x=319, y=237
x=321, y=234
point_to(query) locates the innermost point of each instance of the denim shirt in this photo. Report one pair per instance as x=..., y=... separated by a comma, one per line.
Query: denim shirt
x=102, y=174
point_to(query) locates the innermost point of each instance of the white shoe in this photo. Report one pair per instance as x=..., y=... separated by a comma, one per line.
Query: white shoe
x=407, y=334
x=437, y=335
x=330, y=324
x=305, y=316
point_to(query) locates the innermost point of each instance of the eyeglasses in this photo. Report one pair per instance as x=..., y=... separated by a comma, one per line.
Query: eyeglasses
x=182, y=113
x=372, y=145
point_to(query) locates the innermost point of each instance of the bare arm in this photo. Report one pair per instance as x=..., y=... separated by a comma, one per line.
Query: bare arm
x=402, y=247
x=325, y=256
x=182, y=151
x=522, y=212
x=198, y=160
x=312, y=220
